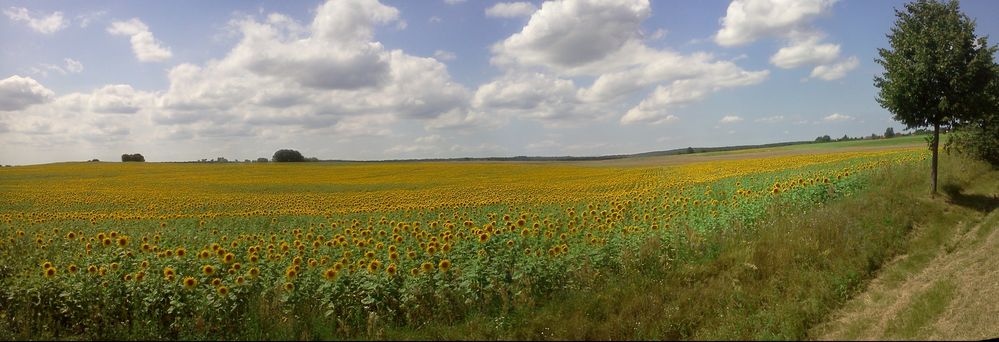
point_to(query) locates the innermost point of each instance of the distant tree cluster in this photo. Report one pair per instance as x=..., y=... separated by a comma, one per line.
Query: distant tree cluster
x=287, y=156
x=132, y=158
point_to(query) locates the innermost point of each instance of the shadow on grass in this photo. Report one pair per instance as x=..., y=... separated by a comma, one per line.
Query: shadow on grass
x=980, y=203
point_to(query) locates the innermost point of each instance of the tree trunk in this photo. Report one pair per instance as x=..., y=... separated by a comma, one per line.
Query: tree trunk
x=935, y=145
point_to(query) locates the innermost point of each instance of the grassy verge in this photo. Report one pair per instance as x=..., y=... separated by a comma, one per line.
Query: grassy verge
x=771, y=281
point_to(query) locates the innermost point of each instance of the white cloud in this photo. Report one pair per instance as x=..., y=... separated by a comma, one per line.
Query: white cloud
x=771, y=119
x=144, y=45
x=728, y=119
x=655, y=109
x=567, y=35
x=805, y=52
x=78, y=120
x=434, y=20
x=49, y=24
x=532, y=95
x=443, y=55
x=601, y=39
x=73, y=66
x=325, y=76
x=748, y=20
x=118, y=99
x=835, y=71
x=837, y=117
x=87, y=18
x=18, y=93
x=454, y=2
x=511, y=10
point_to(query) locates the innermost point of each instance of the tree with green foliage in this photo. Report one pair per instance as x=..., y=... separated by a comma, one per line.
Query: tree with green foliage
x=132, y=157
x=889, y=133
x=286, y=155
x=980, y=137
x=936, y=71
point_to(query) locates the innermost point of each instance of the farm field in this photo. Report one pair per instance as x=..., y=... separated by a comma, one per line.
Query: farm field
x=107, y=250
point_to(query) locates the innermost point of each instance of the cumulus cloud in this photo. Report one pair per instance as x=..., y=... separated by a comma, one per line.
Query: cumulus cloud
x=568, y=35
x=835, y=71
x=77, y=120
x=805, y=52
x=837, y=117
x=748, y=20
x=511, y=10
x=603, y=40
x=728, y=119
x=790, y=20
x=118, y=99
x=656, y=108
x=46, y=24
x=328, y=74
x=454, y=2
x=144, y=45
x=531, y=95
x=18, y=93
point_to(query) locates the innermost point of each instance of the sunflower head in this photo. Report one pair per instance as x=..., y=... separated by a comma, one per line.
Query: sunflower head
x=329, y=274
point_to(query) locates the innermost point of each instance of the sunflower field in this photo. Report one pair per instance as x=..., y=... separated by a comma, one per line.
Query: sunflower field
x=193, y=251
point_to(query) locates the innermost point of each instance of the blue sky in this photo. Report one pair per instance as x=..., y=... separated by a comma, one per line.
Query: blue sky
x=185, y=80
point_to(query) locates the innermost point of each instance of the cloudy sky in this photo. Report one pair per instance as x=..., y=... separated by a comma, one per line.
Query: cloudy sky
x=362, y=79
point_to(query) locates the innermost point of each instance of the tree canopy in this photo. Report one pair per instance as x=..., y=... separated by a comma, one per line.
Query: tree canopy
x=132, y=158
x=287, y=155
x=936, y=71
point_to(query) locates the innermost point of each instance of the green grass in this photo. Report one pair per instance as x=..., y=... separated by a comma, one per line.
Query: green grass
x=925, y=307
x=898, y=141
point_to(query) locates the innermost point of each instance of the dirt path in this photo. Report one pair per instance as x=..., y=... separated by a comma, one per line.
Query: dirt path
x=955, y=296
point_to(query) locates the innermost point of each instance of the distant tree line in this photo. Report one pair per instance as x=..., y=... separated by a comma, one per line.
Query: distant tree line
x=889, y=133
x=281, y=156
